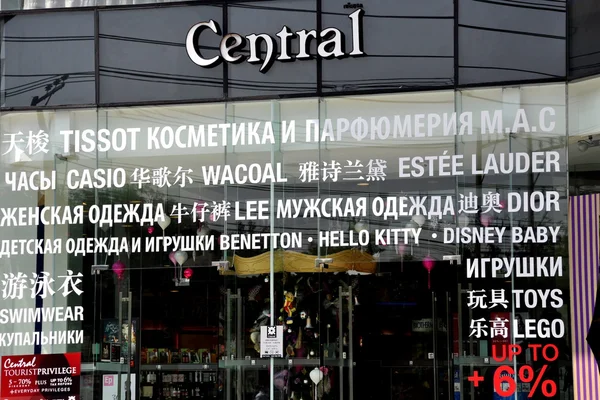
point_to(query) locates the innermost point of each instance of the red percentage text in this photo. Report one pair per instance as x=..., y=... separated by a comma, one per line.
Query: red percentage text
x=505, y=385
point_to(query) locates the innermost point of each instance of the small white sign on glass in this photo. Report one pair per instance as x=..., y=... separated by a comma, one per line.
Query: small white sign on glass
x=271, y=341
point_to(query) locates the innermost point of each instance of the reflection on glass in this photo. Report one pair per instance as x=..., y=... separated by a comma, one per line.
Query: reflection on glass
x=40, y=4
x=38, y=64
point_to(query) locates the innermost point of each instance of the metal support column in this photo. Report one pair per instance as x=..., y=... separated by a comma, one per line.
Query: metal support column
x=341, y=340
x=350, y=343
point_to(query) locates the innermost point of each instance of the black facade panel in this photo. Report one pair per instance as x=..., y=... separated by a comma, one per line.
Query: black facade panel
x=407, y=45
x=141, y=53
x=511, y=40
x=584, y=32
x=49, y=4
x=297, y=77
x=143, y=58
x=47, y=59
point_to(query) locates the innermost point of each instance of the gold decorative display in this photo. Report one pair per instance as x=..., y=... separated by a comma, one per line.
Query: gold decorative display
x=291, y=261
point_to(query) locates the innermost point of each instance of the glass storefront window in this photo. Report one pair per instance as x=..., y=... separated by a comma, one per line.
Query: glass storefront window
x=399, y=245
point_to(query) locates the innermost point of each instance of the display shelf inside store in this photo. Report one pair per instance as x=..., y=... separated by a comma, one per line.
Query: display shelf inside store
x=104, y=366
x=178, y=367
x=264, y=362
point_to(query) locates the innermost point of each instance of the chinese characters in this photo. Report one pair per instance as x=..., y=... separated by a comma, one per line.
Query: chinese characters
x=350, y=170
x=19, y=286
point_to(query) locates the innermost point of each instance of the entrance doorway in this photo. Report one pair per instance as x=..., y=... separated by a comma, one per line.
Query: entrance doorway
x=387, y=335
x=406, y=332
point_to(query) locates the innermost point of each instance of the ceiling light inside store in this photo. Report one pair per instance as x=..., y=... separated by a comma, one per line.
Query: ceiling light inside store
x=583, y=145
x=363, y=184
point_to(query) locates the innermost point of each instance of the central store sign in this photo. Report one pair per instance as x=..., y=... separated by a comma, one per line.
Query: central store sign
x=332, y=44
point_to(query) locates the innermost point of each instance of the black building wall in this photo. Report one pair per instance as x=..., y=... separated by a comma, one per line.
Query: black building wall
x=129, y=55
